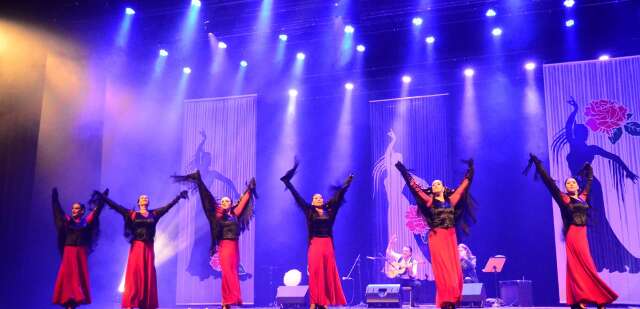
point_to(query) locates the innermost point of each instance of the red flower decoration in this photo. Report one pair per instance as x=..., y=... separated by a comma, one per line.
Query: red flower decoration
x=605, y=115
x=415, y=222
x=215, y=262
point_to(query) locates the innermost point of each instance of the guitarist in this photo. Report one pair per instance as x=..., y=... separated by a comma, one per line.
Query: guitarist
x=402, y=266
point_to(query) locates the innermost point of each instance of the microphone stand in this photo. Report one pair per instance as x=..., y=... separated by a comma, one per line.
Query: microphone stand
x=350, y=273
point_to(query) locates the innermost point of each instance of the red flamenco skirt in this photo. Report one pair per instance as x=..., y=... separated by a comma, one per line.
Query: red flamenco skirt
x=72, y=283
x=445, y=260
x=324, y=282
x=584, y=286
x=140, y=286
x=229, y=260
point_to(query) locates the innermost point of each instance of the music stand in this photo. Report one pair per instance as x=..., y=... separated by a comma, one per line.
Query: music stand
x=494, y=265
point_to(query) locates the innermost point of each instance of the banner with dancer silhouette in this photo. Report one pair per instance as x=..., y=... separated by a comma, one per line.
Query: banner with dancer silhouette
x=400, y=129
x=219, y=140
x=593, y=115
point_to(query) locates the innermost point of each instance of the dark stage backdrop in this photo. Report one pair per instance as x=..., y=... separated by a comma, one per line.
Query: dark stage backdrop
x=413, y=131
x=592, y=116
x=219, y=139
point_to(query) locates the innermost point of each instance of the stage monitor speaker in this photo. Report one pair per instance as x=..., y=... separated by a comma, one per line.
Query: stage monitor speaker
x=473, y=295
x=292, y=296
x=517, y=293
x=383, y=295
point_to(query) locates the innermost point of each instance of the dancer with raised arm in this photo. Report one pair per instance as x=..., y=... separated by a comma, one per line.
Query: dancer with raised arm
x=584, y=285
x=443, y=209
x=226, y=222
x=140, y=284
x=77, y=234
x=324, y=282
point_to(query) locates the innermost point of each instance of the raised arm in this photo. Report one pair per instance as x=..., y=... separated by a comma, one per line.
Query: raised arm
x=245, y=198
x=113, y=205
x=557, y=195
x=414, y=186
x=286, y=179
x=99, y=205
x=338, y=196
x=390, y=252
x=158, y=213
x=584, y=195
x=59, y=217
x=464, y=185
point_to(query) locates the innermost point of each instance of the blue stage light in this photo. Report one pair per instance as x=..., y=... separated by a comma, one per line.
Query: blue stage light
x=430, y=39
x=222, y=45
x=293, y=92
x=196, y=3
x=569, y=23
x=300, y=56
x=348, y=86
x=496, y=31
x=186, y=70
x=349, y=29
x=604, y=57
x=244, y=63
x=417, y=21
x=468, y=72
x=569, y=3
x=406, y=79
x=163, y=53
x=490, y=13
x=129, y=11
x=530, y=66
x=360, y=48
x=283, y=37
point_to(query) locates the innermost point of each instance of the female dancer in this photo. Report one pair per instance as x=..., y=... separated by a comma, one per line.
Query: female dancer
x=76, y=236
x=226, y=222
x=583, y=283
x=324, y=282
x=443, y=209
x=140, y=286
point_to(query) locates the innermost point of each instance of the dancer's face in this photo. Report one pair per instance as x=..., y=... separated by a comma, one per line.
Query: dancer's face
x=317, y=200
x=143, y=202
x=225, y=203
x=77, y=211
x=437, y=186
x=571, y=185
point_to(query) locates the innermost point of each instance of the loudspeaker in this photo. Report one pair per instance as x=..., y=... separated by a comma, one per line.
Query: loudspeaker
x=473, y=295
x=292, y=296
x=517, y=293
x=383, y=295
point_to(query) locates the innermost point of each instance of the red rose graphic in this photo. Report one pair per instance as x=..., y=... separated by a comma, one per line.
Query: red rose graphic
x=415, y=222
x=215, y=262
x=605, y=115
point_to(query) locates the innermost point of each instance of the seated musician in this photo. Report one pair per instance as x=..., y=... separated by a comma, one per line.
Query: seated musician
x=402, y=266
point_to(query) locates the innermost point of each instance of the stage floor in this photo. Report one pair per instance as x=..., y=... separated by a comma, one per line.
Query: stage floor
x=404, y=307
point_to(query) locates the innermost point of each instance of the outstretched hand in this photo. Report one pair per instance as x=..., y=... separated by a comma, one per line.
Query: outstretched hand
x=184, y=194
x=289, y=174
x=252, y=184
x=633, y=177
x=470, y=169
x=534, y=158
x=349, y=180
x=54, y=194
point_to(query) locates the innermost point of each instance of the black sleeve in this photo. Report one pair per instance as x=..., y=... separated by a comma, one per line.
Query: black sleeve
x=59, y=216
x=159, y=212
x=549, y=182
x=300, y=201
x=124, y=212
x=338, y=196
